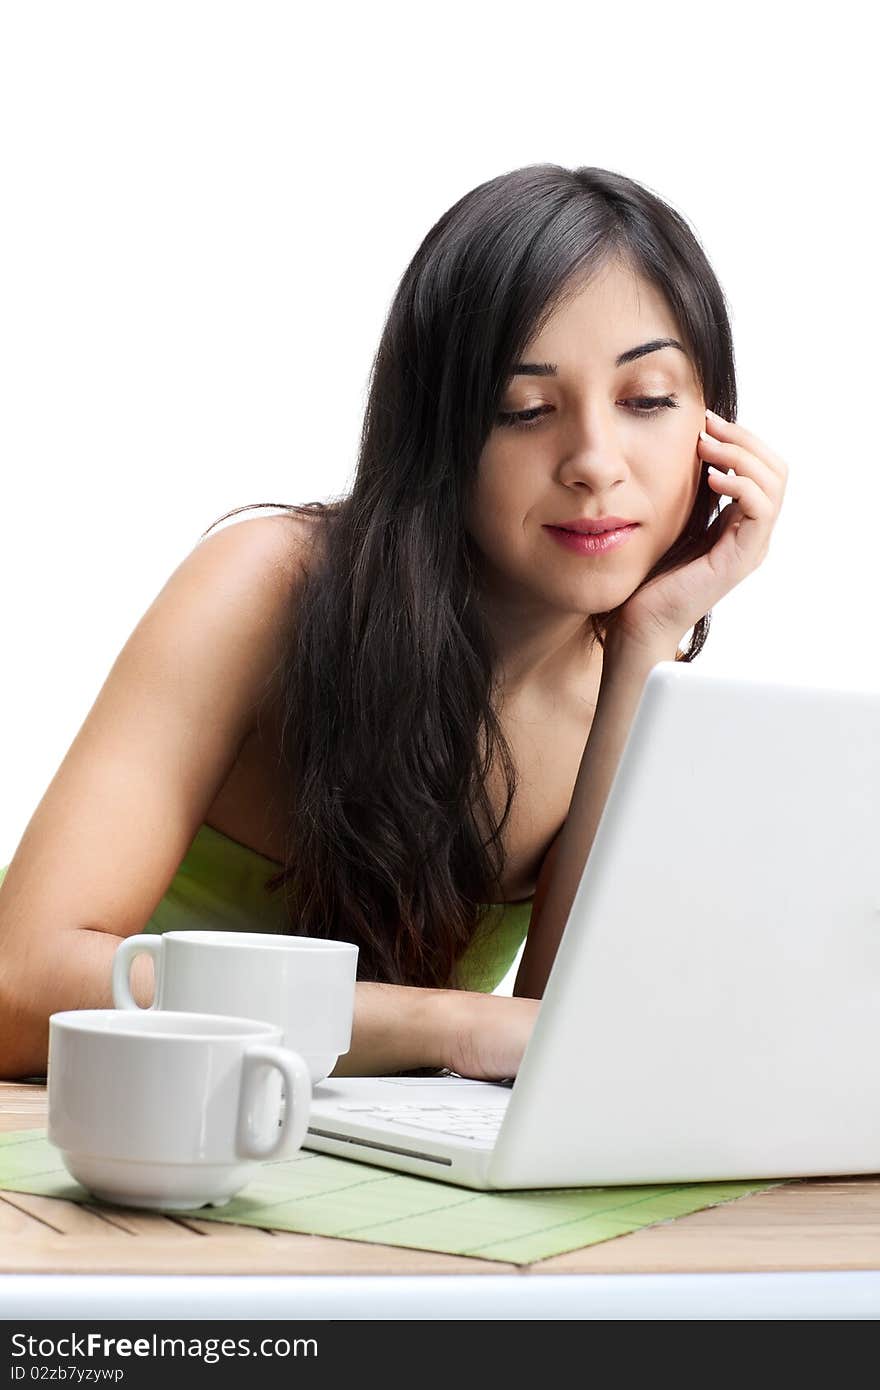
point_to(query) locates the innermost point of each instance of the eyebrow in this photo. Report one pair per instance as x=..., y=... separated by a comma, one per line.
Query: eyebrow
x=551, y=369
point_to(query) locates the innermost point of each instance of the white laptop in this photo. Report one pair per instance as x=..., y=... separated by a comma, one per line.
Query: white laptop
x=713, y=1011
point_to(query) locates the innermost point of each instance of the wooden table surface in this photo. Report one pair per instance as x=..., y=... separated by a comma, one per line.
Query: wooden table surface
x=812, y=1224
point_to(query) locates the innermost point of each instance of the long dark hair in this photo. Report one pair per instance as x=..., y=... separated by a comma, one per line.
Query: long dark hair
x=389, y=728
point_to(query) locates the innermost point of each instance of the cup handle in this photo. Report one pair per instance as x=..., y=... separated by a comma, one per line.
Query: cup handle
x=298, y=1100
x=147, y=945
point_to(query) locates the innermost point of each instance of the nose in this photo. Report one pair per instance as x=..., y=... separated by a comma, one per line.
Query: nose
x=591, y=453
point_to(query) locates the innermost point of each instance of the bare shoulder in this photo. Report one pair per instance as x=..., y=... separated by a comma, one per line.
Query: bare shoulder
x=257, y=564
x=285, y=544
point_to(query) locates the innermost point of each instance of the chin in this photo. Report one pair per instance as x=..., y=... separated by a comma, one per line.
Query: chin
x=594, y=599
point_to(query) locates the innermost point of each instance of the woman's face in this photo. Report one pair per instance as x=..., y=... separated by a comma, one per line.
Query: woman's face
x=594, y=448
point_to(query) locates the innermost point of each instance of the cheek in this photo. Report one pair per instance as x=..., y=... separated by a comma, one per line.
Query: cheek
x=501, y=498
x=482, y=510
x=673, y=490
x=684, y=494
x=694, y=474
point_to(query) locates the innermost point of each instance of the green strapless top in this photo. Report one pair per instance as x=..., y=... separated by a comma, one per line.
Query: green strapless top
x=220, y=886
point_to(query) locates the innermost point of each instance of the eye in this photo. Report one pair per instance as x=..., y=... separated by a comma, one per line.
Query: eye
x=521, y=419
x=649, y=405
x=640, y=405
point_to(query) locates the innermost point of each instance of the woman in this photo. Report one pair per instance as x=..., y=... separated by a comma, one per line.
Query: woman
x=383, y=708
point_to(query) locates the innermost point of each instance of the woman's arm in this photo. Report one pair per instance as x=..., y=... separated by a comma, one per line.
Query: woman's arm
x=625, y=668
x=138, y=780
x=401, y=1028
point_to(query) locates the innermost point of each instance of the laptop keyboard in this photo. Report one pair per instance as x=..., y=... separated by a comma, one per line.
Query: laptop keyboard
x=480, y=1123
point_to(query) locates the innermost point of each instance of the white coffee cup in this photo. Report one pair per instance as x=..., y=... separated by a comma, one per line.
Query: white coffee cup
x=303, y=984
x=171, y=1109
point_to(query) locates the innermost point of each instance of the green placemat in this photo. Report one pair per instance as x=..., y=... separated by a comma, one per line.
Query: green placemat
x=317, y=1194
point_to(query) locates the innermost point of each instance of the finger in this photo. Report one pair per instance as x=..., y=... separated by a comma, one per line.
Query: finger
x=728, y=516
x=730, y=432
x=745, y=464
x=756, y=506
x=745, y=539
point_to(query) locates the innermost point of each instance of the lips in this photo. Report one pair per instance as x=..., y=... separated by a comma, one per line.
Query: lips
x=595, y=544
x=586, y=527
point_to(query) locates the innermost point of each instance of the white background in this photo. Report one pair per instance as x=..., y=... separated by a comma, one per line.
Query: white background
x=206, y=210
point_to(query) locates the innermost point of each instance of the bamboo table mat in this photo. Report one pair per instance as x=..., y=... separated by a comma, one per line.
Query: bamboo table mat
x=811, y=1224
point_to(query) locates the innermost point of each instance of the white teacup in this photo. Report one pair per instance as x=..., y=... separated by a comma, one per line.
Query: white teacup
x=170, y=1109
x=303, y=984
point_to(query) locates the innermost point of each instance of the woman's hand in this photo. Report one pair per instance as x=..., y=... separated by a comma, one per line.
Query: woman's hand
x=486, y=1034
x=663, y=610
x=406, y=1027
